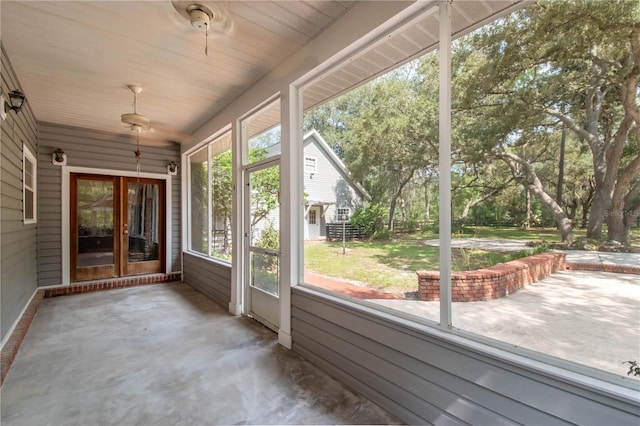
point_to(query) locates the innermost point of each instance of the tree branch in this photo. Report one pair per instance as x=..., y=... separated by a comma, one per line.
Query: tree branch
x=582, y=133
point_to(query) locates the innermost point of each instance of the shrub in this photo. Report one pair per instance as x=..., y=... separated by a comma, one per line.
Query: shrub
x=270, y=238
x=382, y=234
x=368, y=219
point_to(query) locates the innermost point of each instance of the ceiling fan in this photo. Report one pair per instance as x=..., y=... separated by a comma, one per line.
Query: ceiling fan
x=133, y=120
x=205, y=16
x=136, y=123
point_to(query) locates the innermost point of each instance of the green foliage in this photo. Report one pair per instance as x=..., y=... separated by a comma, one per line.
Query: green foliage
x=368, y=219
x=265, y=190
x=269, y=237
x=550, y=65
x=516, y=83
x=382, y=234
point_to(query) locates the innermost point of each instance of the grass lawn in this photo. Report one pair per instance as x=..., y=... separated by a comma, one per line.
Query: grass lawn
x=392, y=265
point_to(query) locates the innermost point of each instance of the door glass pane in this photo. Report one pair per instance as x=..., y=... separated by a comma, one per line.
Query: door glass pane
x=265, y=208
x=144, y=221
x=95, y=222
x=265, y=269
x=265, y=228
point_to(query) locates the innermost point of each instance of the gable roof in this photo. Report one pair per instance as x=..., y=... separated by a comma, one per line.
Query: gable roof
x=313, y=135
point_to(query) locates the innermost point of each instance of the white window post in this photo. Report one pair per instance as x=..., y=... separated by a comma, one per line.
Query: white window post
x=444, y=163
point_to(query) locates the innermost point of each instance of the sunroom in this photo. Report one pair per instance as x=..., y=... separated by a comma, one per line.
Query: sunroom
x=144, y=153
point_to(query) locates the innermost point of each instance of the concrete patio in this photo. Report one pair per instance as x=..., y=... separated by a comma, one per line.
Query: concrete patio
x=589, y=317
x=165, y=354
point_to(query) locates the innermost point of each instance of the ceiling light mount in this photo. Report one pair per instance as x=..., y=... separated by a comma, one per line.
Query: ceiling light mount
x=200, y=16
x=204, y=15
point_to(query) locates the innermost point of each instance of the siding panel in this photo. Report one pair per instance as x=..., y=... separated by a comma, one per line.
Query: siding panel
x=209, y=277
x=388, y=359
x=18, y=262
x=99, y=150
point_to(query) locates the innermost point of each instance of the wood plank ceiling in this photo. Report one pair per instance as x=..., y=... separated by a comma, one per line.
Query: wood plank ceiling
x=75, y=59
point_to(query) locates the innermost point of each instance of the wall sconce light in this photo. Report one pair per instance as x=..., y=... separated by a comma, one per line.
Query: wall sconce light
x=172, y=168
x=59, y=158
x=16, y=100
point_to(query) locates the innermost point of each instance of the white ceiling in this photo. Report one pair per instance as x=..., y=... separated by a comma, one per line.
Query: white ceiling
x=75, y=59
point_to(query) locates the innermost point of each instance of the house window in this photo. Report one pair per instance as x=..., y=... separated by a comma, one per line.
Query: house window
x=343, y=214
x=310, y=164
x=210, y=190
x=312, y=217
x=29, y=185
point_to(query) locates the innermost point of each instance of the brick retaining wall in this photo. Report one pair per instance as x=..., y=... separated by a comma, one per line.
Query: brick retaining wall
x=491, y=283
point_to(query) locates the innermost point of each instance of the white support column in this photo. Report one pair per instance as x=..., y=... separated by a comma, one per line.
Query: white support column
x=237, y=270
x=444, y=163
x=291, y=206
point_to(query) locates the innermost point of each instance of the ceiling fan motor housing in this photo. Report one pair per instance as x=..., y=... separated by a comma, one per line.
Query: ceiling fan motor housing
x=136, y=121
x=199, y=18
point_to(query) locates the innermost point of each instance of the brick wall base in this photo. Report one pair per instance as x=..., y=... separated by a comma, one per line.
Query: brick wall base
x=491, y=283
x=91, y=286
x=603, y=267
x=13, y=342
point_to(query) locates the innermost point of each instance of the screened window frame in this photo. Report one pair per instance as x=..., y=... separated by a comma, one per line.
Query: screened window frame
x=210, y=252
x=29, y=157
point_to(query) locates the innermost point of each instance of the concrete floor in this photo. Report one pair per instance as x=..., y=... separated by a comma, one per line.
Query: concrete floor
x=165, y=355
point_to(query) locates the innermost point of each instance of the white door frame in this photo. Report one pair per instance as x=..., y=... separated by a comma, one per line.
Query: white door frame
x=270, y=316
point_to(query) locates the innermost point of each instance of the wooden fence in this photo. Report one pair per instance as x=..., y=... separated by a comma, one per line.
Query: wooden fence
x=334, y=231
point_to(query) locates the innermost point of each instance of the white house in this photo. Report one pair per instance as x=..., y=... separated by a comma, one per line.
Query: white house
x=331, y=195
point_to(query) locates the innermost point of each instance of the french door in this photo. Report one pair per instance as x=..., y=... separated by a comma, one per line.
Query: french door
x=117, y=226
x=262, y=244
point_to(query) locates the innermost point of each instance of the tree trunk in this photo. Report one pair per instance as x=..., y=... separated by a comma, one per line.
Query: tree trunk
x=427, y=203
x=392, y=211
x=394, y=199
x=563, y=143
x=563, y=222
x=585, y=201
x=572, y=207
x=624, y=212
x=617, y=229
x=534, y=185
x=471, y=204
x=585, y=214
x=596, y=215
x=529, y=215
